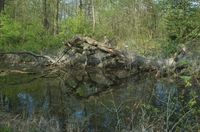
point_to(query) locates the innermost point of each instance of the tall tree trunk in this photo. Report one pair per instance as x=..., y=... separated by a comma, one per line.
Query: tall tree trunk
x=2, y=3
x=57, y=16
x=45, y=19
x=81, y=6
x=93, y=17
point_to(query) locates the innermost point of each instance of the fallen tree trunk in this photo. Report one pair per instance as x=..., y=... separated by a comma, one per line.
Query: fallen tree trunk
x=87, y=52
x=36, y=56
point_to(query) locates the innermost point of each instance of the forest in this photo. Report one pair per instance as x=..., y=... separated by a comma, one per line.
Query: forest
x=99, y=65
x=149, y=27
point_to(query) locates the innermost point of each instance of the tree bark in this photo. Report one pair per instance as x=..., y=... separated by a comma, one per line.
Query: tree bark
x=81, y=6
x=2, y=4
x=93, y=17
x=57, y=16
x=45, y=20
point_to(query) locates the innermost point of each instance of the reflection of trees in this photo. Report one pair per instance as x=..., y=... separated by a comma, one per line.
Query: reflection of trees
x=72, y=81
x=4, y=102
x=63, y=99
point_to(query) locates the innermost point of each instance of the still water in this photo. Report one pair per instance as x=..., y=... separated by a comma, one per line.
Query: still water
x=95, y=100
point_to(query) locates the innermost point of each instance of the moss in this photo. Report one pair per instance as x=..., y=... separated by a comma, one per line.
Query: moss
x=5, y=129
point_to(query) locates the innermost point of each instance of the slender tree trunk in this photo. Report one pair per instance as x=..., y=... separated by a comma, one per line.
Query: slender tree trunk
x=57, y=16
x=93, y=17
x=48, y=94
x=45, y=19
x=2, y=3
x=81, y=6
x=87, y=8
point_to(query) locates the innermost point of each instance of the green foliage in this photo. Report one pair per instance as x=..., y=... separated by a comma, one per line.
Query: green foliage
x=9, y=31
x=187, y=80
x=5, y=129
x=148, y=27
x=169, y=48
x=75, y=25
x=37, y=39
x=31, y=36
x=179, y=24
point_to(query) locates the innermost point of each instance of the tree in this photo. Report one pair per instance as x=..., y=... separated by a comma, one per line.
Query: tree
x=45, y=13
x=93, y=17
x=57, y=17
x=180, y=20
x=81, y=5
x=2, y=4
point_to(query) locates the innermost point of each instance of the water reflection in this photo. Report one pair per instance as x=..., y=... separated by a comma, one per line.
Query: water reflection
x=5, y=102
x=27, y=103
x=163, y=92
x=93, y=100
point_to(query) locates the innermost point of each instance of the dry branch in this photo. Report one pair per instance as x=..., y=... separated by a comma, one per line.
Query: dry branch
x=30, y=54
x=101, y=46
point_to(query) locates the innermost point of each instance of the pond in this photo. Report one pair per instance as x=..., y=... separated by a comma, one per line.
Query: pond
x=96, y=100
